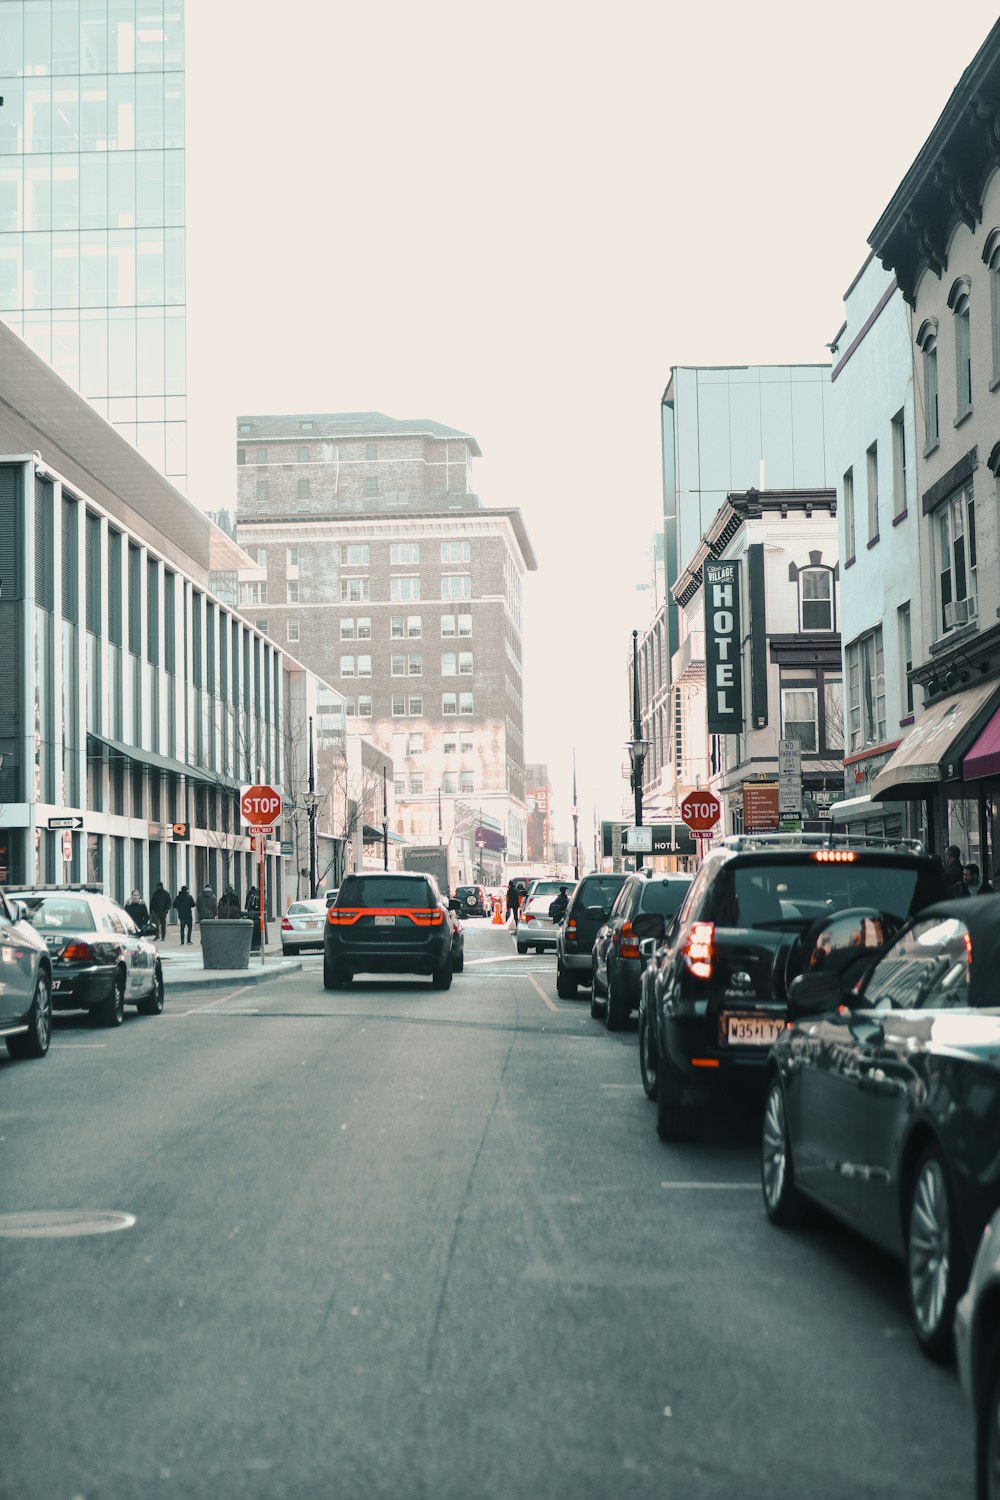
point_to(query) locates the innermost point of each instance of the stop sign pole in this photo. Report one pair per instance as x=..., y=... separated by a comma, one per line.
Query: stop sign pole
x=260, y=806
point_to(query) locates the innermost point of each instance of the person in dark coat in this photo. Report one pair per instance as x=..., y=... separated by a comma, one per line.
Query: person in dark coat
x=558, y=907
x=229, y=904
x=953, y=869
x=972, y=884
x=137, y=909
x=253, y=902
x=184, y=907
x=160, y=903
x=207, y=905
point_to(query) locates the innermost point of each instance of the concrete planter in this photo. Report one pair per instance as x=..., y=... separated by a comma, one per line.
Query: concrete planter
x=225, y=943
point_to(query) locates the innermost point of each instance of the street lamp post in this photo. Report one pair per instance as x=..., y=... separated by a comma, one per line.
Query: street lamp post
x=311, y=806
x=637, y=745
x=576, y=826
x=385, y=822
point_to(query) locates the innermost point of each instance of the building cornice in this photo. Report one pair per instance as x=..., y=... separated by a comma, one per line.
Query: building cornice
x=740, y=507
x=945, y=184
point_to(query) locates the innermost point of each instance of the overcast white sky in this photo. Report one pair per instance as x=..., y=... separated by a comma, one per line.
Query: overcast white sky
x=515, y=220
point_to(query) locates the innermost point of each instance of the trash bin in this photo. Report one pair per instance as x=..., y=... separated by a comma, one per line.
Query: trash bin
x=225, y=943
x=255, y=936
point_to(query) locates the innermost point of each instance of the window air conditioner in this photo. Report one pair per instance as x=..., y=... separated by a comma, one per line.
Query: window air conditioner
x=972, y=605
x=956, y=613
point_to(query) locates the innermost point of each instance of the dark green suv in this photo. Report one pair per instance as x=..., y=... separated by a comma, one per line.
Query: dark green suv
x=589, y=907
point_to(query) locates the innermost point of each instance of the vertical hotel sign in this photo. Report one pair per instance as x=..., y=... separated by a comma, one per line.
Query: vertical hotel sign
x=723, y=657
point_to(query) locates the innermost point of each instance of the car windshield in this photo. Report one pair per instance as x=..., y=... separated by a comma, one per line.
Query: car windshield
x=385, y=890
x=600, y=890
x=65, y=913
x=765, y=893
x=305, y=908
x=663, y=896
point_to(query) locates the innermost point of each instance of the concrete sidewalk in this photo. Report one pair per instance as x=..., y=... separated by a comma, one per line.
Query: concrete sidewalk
x=182, y=966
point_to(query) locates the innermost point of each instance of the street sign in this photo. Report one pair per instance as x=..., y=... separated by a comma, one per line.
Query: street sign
x=179, y=832
x=789, y=776
x=67, y=846
x=701, y=811
x=287, y=847
x=70, y=822
x=760, y=807
x=639, y=840
x=260, y=805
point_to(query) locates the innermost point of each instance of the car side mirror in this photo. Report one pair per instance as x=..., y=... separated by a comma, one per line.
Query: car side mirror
x=454, y=905
x=649, y=924
x=814, y=994
x=647, y=948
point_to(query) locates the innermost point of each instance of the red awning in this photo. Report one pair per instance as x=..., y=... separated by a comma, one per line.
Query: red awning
x=984, y=757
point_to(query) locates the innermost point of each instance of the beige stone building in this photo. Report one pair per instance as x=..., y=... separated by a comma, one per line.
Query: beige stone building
x=375, y=557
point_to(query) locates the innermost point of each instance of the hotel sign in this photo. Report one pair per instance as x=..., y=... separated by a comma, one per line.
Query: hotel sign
x=723, y=656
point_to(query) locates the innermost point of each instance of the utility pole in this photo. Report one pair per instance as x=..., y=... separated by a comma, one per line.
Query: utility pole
x=637, y=746
x=576, y=825
x=311, y=806
x=385, y=821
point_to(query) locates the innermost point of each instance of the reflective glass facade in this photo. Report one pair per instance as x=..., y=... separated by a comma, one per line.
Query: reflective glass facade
x=92, y=206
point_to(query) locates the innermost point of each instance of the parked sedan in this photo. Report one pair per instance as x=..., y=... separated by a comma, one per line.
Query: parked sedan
x=977, y=1345
x=302, y=925
x=535, y=928
x=883, y=1095
x=617, y=962
x=100, y=960
x=25, y=984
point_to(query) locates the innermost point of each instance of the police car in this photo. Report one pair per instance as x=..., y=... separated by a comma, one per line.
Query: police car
x=101, y=962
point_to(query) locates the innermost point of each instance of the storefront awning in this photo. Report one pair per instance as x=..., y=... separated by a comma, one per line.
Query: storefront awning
x=372, y=835
x=154, y=762
x=932, y=751
x=984, y=757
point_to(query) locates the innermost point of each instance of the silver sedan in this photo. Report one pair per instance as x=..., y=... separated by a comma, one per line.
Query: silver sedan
x=302, y=926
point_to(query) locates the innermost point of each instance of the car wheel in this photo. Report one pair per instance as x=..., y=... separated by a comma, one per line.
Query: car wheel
x=522, y=947
x=596, y=1003
x=616, y=1011
x=35, y=1041
x=152, y=1004
x=441, y=978
x=675, y=1121
x=458, y=963
x=935, y=1269
x=988, y=1427
x=290, y=951
x=111, y=1012
x=333, y=978
x=782, y=1200
x=565, y=983
x=647, y=1057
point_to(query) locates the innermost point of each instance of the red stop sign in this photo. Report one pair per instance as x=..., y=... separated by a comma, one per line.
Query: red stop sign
x=700, y=811
x=260, y=806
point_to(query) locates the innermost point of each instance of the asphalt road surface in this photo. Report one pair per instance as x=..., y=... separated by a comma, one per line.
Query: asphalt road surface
x=391, y=1242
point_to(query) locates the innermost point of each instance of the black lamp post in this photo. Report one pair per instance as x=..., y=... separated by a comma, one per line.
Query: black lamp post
x=385, y=822
x=637, y=745
x=311, y=807
x=576, y=826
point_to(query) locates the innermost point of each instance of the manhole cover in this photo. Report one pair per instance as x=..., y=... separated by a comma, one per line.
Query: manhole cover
x=47, y=1225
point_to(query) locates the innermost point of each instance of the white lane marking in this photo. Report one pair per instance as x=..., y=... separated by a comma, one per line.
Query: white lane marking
x=80, y=1046
x=723, y=1187
x=500, y=958
x=532, y=980
x=621, y=1085
x=195, y=1010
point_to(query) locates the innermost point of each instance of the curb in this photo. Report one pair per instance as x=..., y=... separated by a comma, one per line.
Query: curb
x=237, y=978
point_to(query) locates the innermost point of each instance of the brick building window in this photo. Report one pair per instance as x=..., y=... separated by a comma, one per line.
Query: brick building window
x=449, y=703
x=404, y=587
x=371, y=487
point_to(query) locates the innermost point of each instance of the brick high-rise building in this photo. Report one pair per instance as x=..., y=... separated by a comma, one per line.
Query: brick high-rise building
x=376, y=558
x=539, y=796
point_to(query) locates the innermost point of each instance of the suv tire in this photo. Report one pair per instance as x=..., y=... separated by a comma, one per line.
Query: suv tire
x=35, y=1041
x=565, y=983
x=647, y=1057
x=783, y=1202
x=616, y=1011
x=441, y=978
x=675, y=1121
x=333, y=978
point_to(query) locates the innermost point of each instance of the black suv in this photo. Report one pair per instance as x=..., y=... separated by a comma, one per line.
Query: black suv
x=388, y=923
x=743, y=933
x=617, y=962
x=589, y=906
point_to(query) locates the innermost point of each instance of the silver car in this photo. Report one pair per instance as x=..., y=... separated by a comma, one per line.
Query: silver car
x=535, y=928
x=302, y=925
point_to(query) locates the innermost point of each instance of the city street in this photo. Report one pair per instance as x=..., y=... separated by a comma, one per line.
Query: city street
x=394, y=1242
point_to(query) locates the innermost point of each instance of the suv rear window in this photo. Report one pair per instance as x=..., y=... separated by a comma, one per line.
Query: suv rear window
x=599, y=890
x=382, y=890
x=790, y=894
x=663, y=896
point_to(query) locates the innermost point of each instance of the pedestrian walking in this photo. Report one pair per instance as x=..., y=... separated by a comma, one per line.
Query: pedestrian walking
x=558, y=907
x=207, y=905
x=953, y=869
x=229, y=904
x=184, y=907
x=253, y=902
x=160, y=903
x=973, y=884
x=137, y=909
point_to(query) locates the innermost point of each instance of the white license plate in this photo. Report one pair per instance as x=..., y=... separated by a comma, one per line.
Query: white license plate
x=385, y=921
x=311, y=922
x=753, y=1031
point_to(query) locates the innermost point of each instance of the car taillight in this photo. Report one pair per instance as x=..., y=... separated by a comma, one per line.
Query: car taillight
x=342, y=916
x=78, y=953
x=697, y=949
x=628, y=943
x=527, y=916
x=286, y=925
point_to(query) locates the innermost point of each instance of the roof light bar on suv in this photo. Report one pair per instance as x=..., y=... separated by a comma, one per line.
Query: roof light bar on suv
x=819, y=841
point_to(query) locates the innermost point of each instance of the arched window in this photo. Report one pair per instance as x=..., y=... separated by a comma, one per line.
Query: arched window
x=958, y=301
x=816, y=610
x=991, y=257
x=927, y=344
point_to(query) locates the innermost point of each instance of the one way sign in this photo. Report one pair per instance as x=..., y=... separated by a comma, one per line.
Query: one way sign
x=69, y=822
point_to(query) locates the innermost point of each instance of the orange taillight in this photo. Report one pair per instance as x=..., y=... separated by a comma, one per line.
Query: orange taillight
x=628, y=943
x=697, y=951
x=78, y=953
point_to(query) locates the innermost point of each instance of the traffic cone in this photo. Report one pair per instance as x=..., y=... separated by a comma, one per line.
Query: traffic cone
x=497, y=916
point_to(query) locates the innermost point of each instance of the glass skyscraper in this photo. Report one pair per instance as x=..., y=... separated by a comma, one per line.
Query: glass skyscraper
x=92, y=206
